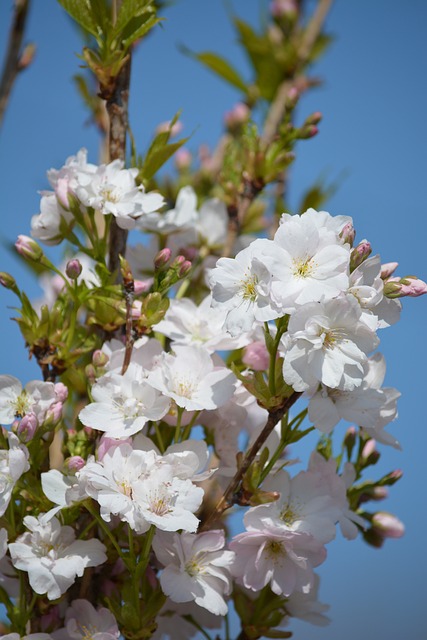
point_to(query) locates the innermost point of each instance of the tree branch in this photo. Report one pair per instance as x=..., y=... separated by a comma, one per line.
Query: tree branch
x=12, y=65
x=274, y=415
x=117, y=109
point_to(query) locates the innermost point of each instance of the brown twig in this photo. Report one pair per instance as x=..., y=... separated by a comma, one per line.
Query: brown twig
x=12, y=64
x=117, y=109
x=237, y=214
x=129, y=291
x=226, y=501
x=278, y=106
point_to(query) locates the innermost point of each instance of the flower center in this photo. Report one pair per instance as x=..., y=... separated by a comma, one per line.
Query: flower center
x=193, y=568
x=160, y=504
x=110, y=194
x=21, y=405
x=184, y=387
x=248, y=288
x=331, y=337
x=87, y=632
x=303, y=268
x=275, y=549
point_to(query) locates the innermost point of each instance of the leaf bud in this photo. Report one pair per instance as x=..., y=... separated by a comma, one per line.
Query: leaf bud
x=73, y=269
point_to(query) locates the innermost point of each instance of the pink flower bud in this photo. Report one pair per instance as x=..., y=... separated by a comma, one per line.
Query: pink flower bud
x=413, y=287
x=74, y=463
x=184, y=269
x=256, y=356
x=175, y=129
x=61, y=392
x=183, y=159
x=359, y=254
x=315, y=118
x=388, y=269
x=28, y=248
x=370, y=454
x=53, y=414
x=179, y=260
x=141, y=286
x=27, y=427
x=284, y=8
x=73, y=269
x=348, y=233
x=308, y=131
x=388, y=525
x=162, y=258
x=238, y=115
x=99, y=358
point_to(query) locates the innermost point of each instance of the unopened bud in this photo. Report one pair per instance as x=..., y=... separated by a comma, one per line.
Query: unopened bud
x=7, y=281
x=61, y=392
x=314, y=118
x=53, y=415
x=388, y=525
x=27, y=427
x=388, y=269
x=183, y=159
x=74, y=463
x=348, y=233
x=162, y=258
x=256, y=356
x=359, y=254
x=136, y=309
x=369, y=454
x=184, y=269
x=73, y=269
x=237, y=116
x=179, y=260
x=393, y=477
x=141, y=286
x=99, y=358
x=375, y=493
x=307, y=132
x=413, y=287
x=174, y=129
x=90, y=373
x=62, y=192
x=284, y=9
x=27, y=56
x=350, y=440
x=28, y=248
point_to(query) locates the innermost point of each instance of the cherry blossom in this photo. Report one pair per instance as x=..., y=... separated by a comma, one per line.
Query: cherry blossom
x=83, y=621
x=196, y=568
x=52, y=557
x=13, y=463
x=16, y=402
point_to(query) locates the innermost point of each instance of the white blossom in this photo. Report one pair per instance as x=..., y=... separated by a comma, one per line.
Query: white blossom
x=196, y=568
x=242, y=286
x=46, y=225
x=327, y=342
x=123, y=403
x=192, y=380
x=369, y=406
x=16, y=402
x=52, y=557
x=183, y=216
x=13, y=463
x=84, y=622
x=313, y=262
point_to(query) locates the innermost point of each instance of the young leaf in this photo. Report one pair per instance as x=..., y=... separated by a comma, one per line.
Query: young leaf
x=221, y=67
x=81, y=11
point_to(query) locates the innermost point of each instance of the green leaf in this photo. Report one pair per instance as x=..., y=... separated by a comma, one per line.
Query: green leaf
x=222, y=68
x=137, y=28
x=130, y=9
x=82, y=12
x=157, y=158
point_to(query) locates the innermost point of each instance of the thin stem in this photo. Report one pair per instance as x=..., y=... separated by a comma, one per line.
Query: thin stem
x=12, y=64
x=274, y=415
x=178, y=424
x=106, y=530
x=190, y=425
x=159, y=438
x=145, y=555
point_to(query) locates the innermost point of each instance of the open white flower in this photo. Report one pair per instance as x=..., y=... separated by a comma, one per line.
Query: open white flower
x=314, y=262
x=112, y=189
x=327, y=342
x=13, y=463
x=284, y=559
x=369, y=406
x=188, y=323
x=123, y=403
x=84, y=622
x=192, y=380
x=196, y=568
x=183, y=216
x=52, y=557
x=242, y=286
x=16, y=402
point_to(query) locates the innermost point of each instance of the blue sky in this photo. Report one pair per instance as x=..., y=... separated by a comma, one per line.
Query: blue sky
x=374, y=102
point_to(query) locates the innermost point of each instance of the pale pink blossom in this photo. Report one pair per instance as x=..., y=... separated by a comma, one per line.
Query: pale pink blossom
x=82, y=619
x=197, y=568
x=52, y=557
x=13, y=463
